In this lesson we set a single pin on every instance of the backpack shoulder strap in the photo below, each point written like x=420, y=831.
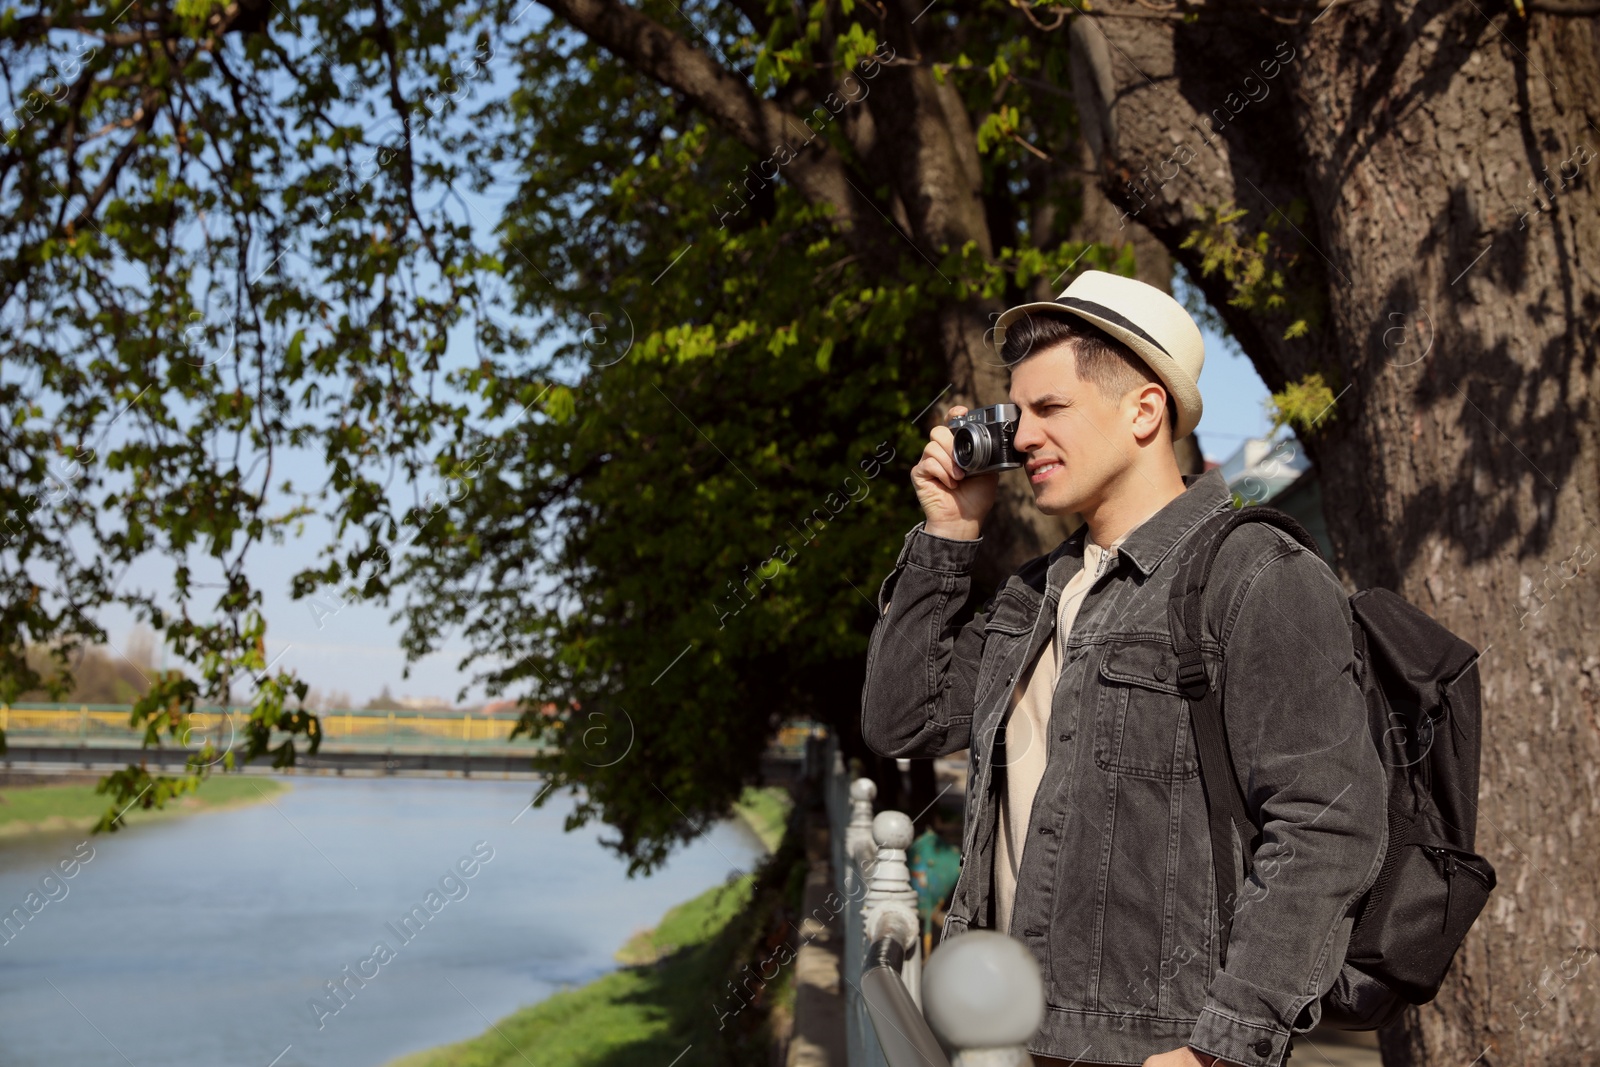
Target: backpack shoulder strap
x=1225, y=803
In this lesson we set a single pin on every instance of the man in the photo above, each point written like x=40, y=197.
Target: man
x=1087, y=835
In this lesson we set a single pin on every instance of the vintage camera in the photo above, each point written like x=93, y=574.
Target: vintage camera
x=986, y=439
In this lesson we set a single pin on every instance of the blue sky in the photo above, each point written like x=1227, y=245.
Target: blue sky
x=1234, y=397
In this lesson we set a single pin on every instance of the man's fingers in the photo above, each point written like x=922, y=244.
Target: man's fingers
x=932, y=474
x=957, y=409
x=942, y=443
x=929, y=469
x=941, y=458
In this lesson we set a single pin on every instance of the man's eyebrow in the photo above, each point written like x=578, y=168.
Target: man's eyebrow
x=1048, y=398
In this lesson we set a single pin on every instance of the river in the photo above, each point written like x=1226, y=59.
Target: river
x=198, y=941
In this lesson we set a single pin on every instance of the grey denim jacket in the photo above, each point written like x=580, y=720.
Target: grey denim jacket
x=1115, y=894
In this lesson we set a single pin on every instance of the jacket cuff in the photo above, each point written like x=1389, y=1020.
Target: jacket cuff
x=1237, y=1041
x=932, y=553
x=935, y=553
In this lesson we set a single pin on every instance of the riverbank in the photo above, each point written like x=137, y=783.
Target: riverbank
x=62, y=806
x=670, y=994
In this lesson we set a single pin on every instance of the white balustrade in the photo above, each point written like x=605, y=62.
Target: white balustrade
x=890, y=909
x=981, y=993
x=983, y=996
x=858, y=840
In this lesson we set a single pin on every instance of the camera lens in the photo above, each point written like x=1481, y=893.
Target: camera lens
x=968, y=449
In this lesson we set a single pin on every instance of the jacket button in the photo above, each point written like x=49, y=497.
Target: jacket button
x=1161, y=672
x=1263, y=1047
x=1066, y=737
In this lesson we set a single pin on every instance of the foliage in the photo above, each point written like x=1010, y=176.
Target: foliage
x=682, y=547
x=206, y=264
x=1256, y=266
x=1302, y=404
x=671, y=424
x=97, y=675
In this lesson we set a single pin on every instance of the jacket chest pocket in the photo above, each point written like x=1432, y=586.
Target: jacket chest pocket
x=1005, y=633
x=1142, y=717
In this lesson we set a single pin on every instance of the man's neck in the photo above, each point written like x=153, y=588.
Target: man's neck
x=1140, y=495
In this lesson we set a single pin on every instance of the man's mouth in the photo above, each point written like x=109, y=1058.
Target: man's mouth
x=1039, y=471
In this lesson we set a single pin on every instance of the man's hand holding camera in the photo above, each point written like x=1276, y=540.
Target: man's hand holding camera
x=959, y=470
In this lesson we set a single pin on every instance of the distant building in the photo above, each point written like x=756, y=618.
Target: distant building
x=1276, y=471
x=424, y=704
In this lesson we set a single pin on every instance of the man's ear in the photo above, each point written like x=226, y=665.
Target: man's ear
x=1149, y=409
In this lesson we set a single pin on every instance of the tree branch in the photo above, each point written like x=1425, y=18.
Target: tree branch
x=727, y=98
x=397, y=100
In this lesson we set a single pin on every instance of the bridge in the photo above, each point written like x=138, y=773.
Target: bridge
x=44, y=737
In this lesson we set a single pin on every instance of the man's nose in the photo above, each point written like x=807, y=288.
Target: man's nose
x=1028, y=436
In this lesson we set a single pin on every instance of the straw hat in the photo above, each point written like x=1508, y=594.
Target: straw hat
x=1147, y=320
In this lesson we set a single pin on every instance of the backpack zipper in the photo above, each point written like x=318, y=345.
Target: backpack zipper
x=1450, y=865
x=1449, y=888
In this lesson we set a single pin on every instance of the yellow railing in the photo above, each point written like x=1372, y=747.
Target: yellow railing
x=102, y=723
x=108, y=724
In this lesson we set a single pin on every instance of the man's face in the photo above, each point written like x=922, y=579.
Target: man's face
x=1077, y=440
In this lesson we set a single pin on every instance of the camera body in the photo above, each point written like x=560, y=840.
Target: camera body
x=985, y=439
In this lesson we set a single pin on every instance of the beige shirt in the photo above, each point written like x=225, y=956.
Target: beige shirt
x=1028, y=730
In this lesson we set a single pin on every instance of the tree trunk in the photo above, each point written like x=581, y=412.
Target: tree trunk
x=1453, y=311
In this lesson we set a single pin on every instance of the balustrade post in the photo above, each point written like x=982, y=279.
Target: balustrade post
x=860, y=853
x=890, y=907
x=858, y=843
x=984, y=999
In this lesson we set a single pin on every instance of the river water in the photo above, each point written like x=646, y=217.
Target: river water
x=198, y=942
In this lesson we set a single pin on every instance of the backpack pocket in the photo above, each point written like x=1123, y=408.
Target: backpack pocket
x=1359, y=1001
x=1426, y=899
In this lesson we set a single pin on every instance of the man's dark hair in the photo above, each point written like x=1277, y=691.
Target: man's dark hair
x=1100, y=358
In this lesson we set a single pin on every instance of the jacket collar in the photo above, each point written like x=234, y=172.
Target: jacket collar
x=1149, y=543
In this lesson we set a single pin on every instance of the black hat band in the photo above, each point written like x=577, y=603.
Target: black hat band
x=1101, y=311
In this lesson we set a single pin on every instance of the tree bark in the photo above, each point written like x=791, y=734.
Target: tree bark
x=1456, y=321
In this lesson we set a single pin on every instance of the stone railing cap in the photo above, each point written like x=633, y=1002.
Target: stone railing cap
x=892, y=829
x=983, y=989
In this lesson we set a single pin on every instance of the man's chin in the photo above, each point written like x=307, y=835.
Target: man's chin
x=1054, y=503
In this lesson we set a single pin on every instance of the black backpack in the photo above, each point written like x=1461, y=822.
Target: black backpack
x=1421, y=687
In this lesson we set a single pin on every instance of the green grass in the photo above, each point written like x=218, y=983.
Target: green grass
x=639, y=1016
x=40, y=808
x=766, y=810
x=691, y=923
